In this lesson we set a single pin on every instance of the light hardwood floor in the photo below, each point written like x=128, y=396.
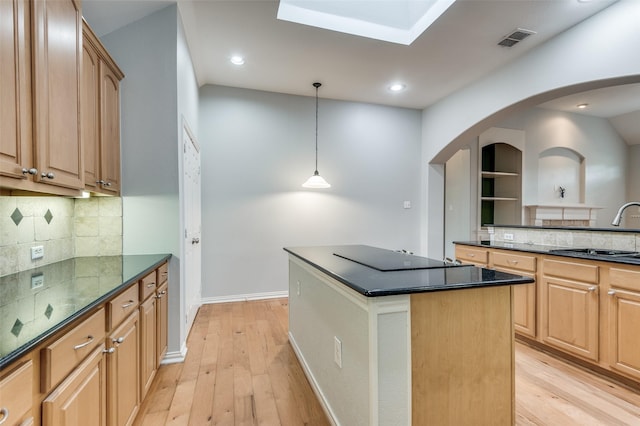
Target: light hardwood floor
x=240, y=370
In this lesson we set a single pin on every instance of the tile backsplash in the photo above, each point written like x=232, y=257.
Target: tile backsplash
x=65, y=227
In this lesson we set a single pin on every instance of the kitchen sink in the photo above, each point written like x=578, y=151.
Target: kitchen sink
x=604, y=253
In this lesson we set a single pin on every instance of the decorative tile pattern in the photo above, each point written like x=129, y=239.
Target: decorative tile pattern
x=48, y=216
x=17, y=328
x=16, y=216
x=48, y=311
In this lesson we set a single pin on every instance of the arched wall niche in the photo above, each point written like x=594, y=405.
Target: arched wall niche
x=561, y=176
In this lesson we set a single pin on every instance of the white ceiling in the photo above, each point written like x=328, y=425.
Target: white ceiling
x=285, y=57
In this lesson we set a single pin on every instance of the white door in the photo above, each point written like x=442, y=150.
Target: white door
x=192, y=223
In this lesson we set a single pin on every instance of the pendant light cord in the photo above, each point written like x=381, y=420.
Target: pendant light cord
x=316, y=85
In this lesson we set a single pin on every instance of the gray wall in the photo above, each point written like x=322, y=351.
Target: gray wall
x=257, y=150
x=155, y=95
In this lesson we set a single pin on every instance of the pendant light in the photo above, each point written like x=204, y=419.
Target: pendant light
x=316, y=181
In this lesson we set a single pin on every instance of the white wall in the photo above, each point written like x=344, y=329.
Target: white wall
x=257, y=150
x=157, y=91
x=592, y=54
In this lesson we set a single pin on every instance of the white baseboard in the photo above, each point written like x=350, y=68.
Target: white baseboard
x=175, y=356
x=312, y=380
x=245, y=297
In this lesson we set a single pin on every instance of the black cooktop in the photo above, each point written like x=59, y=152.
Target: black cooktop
x=387, y=260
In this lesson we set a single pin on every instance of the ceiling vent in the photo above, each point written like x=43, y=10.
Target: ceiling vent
x=515, y=37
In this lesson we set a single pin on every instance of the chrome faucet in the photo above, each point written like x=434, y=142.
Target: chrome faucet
x=618, y=218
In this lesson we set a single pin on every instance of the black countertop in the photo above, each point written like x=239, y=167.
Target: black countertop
x=563, y=251
x=422, y=274
x=36, y=303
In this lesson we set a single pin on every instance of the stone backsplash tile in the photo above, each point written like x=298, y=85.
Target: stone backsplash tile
x=65, y=227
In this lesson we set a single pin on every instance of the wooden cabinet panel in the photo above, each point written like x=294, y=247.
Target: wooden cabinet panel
x=101, y=117
x=15, y=86
x=570, y=316
x=123, y=368
x=62, y=356
x=148, y=343
x=476, y=256
x=123, y=305
x=81, y=398
x=109, y=129
x=148, y=285
x=90, y=113
x=57, y=56
x=586, y=273
x=162, y=309
x=163, y=274
x=16, y=391
x=517, y=262
x=624, y=321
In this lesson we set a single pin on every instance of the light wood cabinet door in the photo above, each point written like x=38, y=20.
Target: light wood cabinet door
x=148, y=342
x=524, y=295
x=80, y=399
x=123, y=369
x=57, y=57
x=109, y=129
x=15, y=88
x=16, y=393
x=90, y=112
x=472, y=255
x=162, y=309
x=624, y=321
x=569, y=312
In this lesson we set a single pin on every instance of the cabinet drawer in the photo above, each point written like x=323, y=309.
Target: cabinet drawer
x=625, y=278
x=514, y=261
x=148, y=285
x=474, y=255
x=163, y=274
x=16, y=390
x=571, y=270
x=59, y=358
x=122, y=306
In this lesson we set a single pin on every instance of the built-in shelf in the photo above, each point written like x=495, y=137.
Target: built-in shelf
x=499, y=174
x=499, y=199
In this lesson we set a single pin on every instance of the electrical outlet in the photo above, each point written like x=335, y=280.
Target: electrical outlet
x=508, y=237
x=37, y=281
x=37, y=252
x=337, y=351
x=407, y=204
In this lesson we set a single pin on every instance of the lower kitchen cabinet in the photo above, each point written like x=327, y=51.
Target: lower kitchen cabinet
x=570, y=307
x=162, y=318
x=148, y=340
x=624, y=321
x=81, y=398
x=16, y=391
x=123, y=368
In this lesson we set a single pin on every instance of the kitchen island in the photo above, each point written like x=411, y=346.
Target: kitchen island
x=388, y=338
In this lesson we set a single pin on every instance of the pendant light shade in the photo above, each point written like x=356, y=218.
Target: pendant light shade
x=316, y=181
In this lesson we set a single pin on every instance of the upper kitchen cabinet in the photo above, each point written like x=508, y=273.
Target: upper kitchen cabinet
x=16, y=148
x=40, y=119
x=100, y=116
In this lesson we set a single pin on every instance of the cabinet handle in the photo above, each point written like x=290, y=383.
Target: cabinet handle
x=611, y=292
x=5, y=414
x=118, y=340
x=107, y=184
x=126, y=305
x=162, y=293
x=100, y=182
x=82, y=345
x=31, y=171
x=109, y=351
x=151, y=285
x=592, y=288
x=515, y=262
x=49, y=175
x=195, y=241
x=471, y=255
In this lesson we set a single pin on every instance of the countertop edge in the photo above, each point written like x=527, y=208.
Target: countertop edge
x=22, y=350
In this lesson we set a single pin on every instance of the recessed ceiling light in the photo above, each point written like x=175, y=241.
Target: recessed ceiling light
x=582, y=106
x=397, y=87
x=237, y=60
